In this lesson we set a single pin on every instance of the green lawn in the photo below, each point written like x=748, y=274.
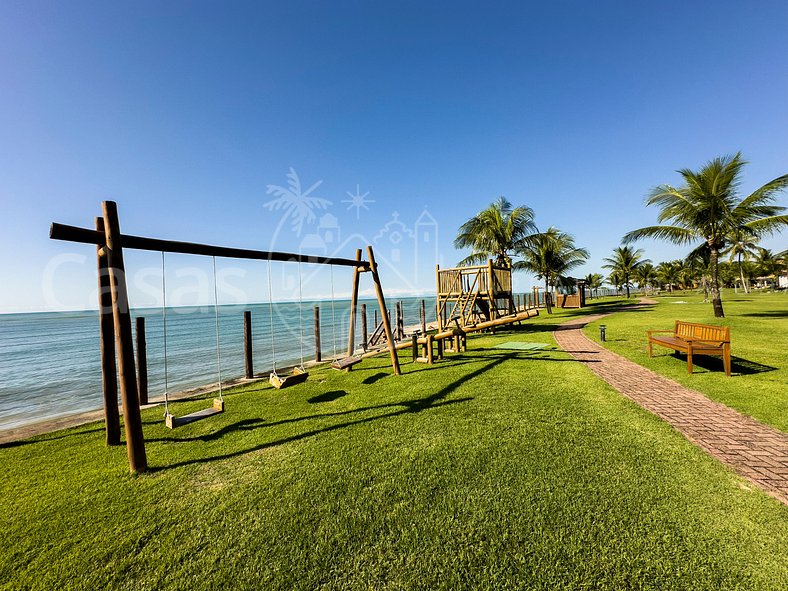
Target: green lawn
x=496, y=469
x=759, y=345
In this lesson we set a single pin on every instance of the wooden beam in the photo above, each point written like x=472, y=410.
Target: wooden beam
x=142, y=360
x=364, y=330
x=109, y=376
x=383, y=311
x=135, y=442
x=318, y=352
x=351, y=344
x=248, y=350
x=86, y=236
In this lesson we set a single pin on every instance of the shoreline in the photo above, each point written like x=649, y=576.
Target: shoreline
x=53, y=424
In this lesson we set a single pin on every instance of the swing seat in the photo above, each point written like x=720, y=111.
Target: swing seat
x=172, y=421
x=298, y=376
x=346, y=362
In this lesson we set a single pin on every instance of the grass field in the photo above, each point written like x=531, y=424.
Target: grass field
x=759, y=345
x=496, y=469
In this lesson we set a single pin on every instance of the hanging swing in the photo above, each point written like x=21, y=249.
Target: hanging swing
x=170, y=420
x=298, y=374
x=343, y=362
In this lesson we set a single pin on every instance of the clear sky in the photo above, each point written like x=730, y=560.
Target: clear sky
x=186, y=112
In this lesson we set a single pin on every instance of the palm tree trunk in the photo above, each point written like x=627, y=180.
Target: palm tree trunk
x=626, y=281
x=716, y=297
x=741, y=275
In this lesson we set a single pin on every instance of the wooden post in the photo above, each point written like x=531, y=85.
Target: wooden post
x=364, y=330
x=109, y=377
x=142, y=360
x=373, y=267
x=135, y=441
x=318, y=353
x=375, y=319
x=248, y=351
x=440, y=348
x=430, y=357
x=414, y=345
x=423, y=318
x=351, y=340
x=438, y=318
x=491, y=290
x=517, y=306
x=548, y=302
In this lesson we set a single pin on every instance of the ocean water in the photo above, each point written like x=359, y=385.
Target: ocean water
x=50, y=364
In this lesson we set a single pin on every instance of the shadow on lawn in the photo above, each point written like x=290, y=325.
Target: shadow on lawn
x=771, y=314
x=432, y=401
x=327, y=396
x=48, y=437
x=739, y=365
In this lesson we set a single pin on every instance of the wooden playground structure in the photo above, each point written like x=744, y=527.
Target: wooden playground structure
x=470, y=295
x=116, y=336
x=469, y=299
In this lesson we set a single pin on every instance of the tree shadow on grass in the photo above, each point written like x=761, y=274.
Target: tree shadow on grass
x=770, y=314
x=432, y=401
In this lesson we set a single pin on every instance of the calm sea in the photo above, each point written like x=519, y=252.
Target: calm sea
x=50, y=366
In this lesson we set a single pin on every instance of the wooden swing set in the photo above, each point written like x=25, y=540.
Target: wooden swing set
x=115, y=320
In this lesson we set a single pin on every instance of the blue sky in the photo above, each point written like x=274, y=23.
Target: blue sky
x=184, y=113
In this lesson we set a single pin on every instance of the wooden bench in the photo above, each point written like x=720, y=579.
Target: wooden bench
x=695, y=339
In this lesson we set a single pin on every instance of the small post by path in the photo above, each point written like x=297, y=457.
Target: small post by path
x=248, y=352
x=142, y=359
x=318, y=354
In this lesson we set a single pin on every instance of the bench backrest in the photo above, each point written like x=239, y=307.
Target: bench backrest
x=703, y=332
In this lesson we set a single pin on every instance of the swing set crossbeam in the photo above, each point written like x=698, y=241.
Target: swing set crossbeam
x=86, y=236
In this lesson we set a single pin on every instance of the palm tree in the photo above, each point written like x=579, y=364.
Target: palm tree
x=668, y=273
x=625, y=260
x=767, y=263
x=742, y=248
x=695, y=269
x=645, y=275
x=550, y=254
x=708, y=208
x=616, y=279
x=495, y=232
x=594, y=282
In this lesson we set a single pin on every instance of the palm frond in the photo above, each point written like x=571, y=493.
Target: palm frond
x=675, y=234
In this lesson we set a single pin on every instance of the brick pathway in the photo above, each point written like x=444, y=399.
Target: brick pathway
x=752, y=449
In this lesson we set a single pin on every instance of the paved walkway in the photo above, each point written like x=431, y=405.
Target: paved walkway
x=752, y=449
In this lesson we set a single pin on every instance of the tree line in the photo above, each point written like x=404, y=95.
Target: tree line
x=706, y=212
